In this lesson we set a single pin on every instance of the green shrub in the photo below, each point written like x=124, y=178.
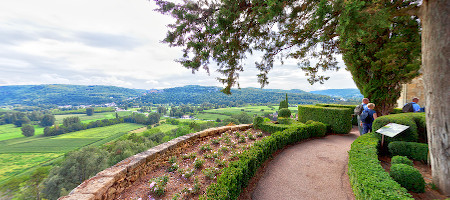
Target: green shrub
x=272, y=128
x=257, y=121
x=368, y=179
x=284, y=112
x=282, y=120
x=339, y=119
x=352, y=107
x=158, y=185
x=401, y=160
x=412, y=150
x=409, y=177
x=409, y=135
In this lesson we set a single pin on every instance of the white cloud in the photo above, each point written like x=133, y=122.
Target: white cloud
x=111, y=43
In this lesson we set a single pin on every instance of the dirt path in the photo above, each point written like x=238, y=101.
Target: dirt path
x=315, y=169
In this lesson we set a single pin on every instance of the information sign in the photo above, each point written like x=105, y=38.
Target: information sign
x=392, y=129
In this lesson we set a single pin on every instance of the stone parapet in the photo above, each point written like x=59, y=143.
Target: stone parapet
x=110, y=182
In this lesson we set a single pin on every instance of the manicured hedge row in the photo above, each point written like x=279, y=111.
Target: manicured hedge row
x=368, y=179
x=401, y=160
x=272, y=128
x=412, y=150
x=413, y=120
x=352, y=107
x=339, y=119
x=235, y=177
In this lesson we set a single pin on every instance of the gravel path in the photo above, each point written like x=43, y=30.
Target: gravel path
x=315, y=169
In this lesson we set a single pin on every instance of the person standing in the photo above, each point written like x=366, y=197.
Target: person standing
x=358, y=110
x=367, y=118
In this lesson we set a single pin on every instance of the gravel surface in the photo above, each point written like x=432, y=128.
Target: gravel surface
x=315, y=169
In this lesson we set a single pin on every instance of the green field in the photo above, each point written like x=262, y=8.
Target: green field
x=10, y=131
x=20, y=154
x=223, y=113
x=86, y=119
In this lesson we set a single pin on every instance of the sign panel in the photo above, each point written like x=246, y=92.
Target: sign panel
x=392, y=129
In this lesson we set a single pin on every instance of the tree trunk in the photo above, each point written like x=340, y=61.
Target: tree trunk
x=435, y=18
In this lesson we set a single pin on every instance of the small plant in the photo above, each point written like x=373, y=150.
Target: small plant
x=207, y=155
x=197, y=186
x=260, y=134
x=221, y=163
x=173, y=167
x=172, y=159
x=224, y=149
x=205, y=147
x=237, y=134
x=189, y=156
x=210, y=172
x=198, y=163
x=251, y=137
x=188, y=174
x=158, y=185
x=216, y=154
x=226, y=139
x=176, y=196
x=242, y=139
x=215, y=141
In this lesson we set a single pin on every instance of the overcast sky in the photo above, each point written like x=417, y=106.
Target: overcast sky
x=112, y=42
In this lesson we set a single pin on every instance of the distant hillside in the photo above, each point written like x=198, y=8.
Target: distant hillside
x=32, y=95
x=194, y=94
x=344, y=93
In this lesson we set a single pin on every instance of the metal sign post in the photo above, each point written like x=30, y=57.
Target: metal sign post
x=391, y=130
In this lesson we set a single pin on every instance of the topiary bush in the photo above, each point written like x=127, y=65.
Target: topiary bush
x=410, y=135
x=352, y=107
x=284, y=112
x=412, y=150
x=409, y=177
x=283, y=120
x=339, y=119
x=257, y=121
x=401, y=160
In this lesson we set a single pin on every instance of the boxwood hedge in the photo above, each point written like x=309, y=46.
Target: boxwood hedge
x=340, y=119
x=236, y=176
x=412, y=150
x=408, y=176
x=401, y=160
x=352, y=107
x=368, y=179
x=413, y=120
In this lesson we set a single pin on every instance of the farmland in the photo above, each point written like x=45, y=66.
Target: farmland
x=10, y=131
x=224, y=113
x=85, y=118
x=21, y=154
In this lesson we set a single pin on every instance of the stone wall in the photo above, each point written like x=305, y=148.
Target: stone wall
x=112, y=181
x=410, y=90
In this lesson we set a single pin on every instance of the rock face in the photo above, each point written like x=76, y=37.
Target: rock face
x=112, y=181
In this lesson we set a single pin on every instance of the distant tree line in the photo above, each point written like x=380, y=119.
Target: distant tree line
x=71, y=124
x=21, y=118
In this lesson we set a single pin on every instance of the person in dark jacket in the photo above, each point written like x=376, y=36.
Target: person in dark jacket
x=371, y=116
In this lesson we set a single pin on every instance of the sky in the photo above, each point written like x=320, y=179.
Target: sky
x=113, y=42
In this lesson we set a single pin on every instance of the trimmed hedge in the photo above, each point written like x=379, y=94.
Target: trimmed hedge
x=339, y=119
x=272, y=128
x=408, y=119
x=283, y=120
x=236, y=176
x=409, y=177
x=284, y=112
x=401, y=160
x=257, y=121
x=412, y=150
x=368, y=179
x=352, y=107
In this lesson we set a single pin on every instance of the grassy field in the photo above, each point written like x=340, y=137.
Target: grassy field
x=223, y=113
x=21, y=154
x=10, y=131
x=96, y=116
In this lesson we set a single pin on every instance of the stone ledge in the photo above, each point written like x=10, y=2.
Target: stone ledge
x=110, y=182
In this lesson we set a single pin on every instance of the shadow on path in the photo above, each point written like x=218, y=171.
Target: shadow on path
x=314, y=169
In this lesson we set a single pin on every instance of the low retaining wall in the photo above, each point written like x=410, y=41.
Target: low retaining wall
x=112, y=181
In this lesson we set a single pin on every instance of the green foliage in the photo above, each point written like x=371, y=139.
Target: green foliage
x=198, y=163
x=89, y=111
x=409, y=119
x=409, y=177
x=412, y=150
x=158, y=185
x=352, y=107
x=47, y=120
x=368, y=179
x=284, y=112
x=236, y=176
x=27, y=130
x=243, y=118
x=210, y=172
x=283, y=120
x=401, y=160
x=338, y=118
x=77, y=167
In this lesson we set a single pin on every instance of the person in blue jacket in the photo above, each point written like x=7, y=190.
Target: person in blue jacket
x=371, y=116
